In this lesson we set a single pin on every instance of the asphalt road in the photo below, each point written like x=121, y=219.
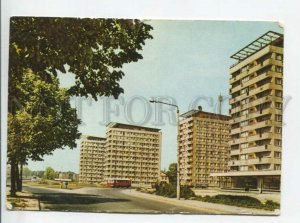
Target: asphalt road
x=102, y=200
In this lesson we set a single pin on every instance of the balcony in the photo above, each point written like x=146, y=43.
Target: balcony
x=238, y=141
x=256, y=56
x=264, y=160
x=256, y=126
x=260, y=136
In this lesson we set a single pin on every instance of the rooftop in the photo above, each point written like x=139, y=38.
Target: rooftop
x=258, y=44
x=96, y=138
x=195, y=112
x=131, y=127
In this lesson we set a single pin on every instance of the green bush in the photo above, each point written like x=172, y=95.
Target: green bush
x=271, y=205
x=186, y=192
x=240, y=201
x=169, y=190
x=166, y=190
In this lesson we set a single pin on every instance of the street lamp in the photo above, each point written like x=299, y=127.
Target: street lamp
x=177, y=120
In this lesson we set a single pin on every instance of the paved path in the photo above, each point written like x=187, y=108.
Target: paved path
x=107, y=200
x=128, y=201
x=205, y=206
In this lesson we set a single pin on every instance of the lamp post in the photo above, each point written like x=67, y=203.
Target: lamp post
x=177, y=122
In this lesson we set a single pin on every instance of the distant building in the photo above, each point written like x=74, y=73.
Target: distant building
x=92, y=154
x=68, y=175
x=133, y=152
x=256, y=111
x=163, y=178
x=204, y=149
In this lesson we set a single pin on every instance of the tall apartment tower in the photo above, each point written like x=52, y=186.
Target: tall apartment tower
x=133, y=152
x=256, y=112
x=92, y=153
x=204, y=149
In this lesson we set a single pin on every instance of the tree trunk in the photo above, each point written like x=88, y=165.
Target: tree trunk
x=13, y=177
x=19, y=185
x=17, y=176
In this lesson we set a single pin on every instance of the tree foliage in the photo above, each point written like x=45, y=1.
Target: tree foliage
x=172, y=173
x=94, y=50
x=43, y=122
x=49, y=173
x=40, y=117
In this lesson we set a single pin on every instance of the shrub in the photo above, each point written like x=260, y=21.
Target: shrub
x=169, y=190
x=186, y=192
x=240, y=201
x=166, y=190
x=271, y=205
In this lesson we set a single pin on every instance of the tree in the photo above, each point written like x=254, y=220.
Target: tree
x=49, y=173
x=172, y=173
x=94, y=50
x=26, y=172
x=43, y=123
x=40, y=117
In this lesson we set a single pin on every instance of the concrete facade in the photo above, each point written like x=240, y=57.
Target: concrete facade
x=204, y=148
x=256, y=113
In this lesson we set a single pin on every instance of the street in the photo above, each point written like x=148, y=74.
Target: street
x=103, y=200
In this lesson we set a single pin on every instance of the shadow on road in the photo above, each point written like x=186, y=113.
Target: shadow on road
x=59, y=198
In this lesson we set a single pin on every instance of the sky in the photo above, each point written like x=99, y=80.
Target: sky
x=186, y=63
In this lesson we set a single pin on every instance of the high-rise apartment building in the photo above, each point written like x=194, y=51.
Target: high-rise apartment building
x=92, y=153
x=256, y=113
x=204, y=149
x=133, y=152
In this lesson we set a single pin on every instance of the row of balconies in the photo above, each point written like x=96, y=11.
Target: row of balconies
x=134, y=139
x=253, y=81
x=254, y=126
x=133, y=144
x=255, y=114
x=256, y=137
x=267, y=62
x=264, y=160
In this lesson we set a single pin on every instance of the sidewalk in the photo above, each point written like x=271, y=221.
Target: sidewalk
x=203, y=206
x=23, y=201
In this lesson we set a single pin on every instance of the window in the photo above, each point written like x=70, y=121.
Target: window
x=245, y=79
x=278, y=69
x=244, y=157
x=277, y=142
x=245, y=68
x=277, y=154
x=278, y=105
x=278, y=118
x=243, y=168
x=244, y=123
x=278, y=81
x=278, y=93
x=277, y=167
x=279, y=57
x=278, y=130
x=244, y=145
x=245, y=90
x=245, y=112
x=244, y=134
